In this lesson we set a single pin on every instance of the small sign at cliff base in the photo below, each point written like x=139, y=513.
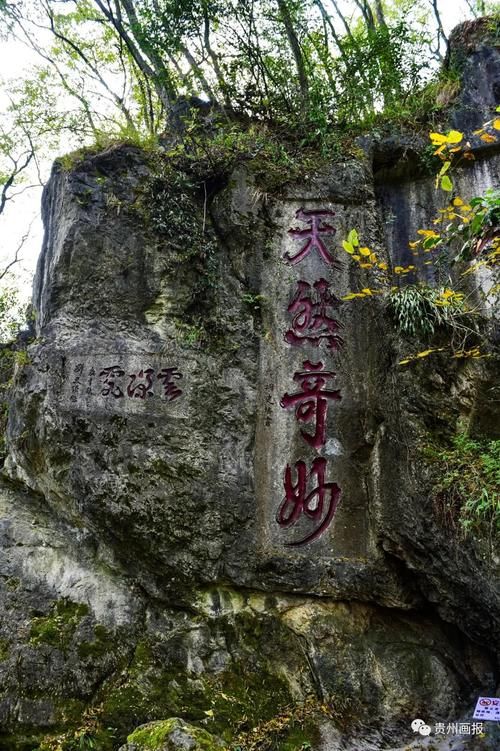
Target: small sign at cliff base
x=487, y=708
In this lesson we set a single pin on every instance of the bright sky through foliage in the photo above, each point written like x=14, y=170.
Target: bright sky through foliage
x=15, y=60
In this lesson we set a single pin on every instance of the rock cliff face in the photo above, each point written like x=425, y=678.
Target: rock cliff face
x=214, y=505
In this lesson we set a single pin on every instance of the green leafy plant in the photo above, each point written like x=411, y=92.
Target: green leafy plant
x=466, y=493
x=420, y=310
x=482, y=230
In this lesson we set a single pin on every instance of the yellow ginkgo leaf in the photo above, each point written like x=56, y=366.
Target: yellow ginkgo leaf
x=382, y=266
x=365, y=251
x=458, y=201
x=347, y=246
x=367, y=291
x=454, y=136
x=352, y=295
x=487, y=138
x=496, y=123
x=414, y=244
x=427, y=233
x=398, y=269
x=356, y=257
x=437, y=138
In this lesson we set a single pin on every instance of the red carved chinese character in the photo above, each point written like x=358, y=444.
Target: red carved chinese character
x=141, y=390
x=311, y=322
x=170, y=389
x=319, y=505
x=312, y=402
x=312, y=235
x=110, y=387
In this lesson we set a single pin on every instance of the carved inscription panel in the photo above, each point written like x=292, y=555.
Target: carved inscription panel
x=122, y=382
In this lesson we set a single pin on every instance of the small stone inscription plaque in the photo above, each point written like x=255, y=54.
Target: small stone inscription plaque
x=121, y=382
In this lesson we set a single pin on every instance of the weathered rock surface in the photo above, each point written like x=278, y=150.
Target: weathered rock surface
x=144, y=573
x=171, y=735
x=474, y=53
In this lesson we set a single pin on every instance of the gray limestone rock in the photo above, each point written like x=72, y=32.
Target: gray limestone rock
x=214, y=502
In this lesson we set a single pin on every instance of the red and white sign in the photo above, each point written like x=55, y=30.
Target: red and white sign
x=487, y=708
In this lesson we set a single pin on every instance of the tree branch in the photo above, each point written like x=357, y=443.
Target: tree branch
x=296, y=50
x=4, y=194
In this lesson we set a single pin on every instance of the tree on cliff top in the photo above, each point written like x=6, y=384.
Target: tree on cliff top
x=120, y=67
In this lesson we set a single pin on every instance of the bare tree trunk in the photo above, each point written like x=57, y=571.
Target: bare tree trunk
x=441, y=36
x=117, y=99
x=214, y=59
x=365, y=9
x=18, y=168
x=198, y=73
x=161, y=82
x=379, y=12
x=338, y=42
x=297, y=52
x=343, y=19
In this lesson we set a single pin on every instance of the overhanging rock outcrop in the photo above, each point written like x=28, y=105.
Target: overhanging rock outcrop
x=214, y=504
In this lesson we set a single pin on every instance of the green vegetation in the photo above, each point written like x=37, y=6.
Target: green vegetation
x=99, y=646
x=246, y=705
x=465, y=233
x=4, y=649
x=168, y=71
x=58, y=628
x=480, y=230
x=300, y=64
x=155, y=734
x=294, y=728
x=12, y=312
x=236, y=699
x=466, y=486
x=419, y=310
x=87, y=737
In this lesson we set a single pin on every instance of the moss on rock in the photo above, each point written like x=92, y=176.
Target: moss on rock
x=168, y=735
x=58, y=628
